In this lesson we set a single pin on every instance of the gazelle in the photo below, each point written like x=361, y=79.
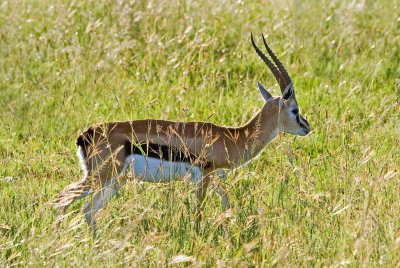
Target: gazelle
x=159, y=151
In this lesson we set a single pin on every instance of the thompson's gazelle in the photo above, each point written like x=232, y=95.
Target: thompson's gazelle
x=155, y=150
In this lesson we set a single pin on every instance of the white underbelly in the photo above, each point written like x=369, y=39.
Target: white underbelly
x=156, y=170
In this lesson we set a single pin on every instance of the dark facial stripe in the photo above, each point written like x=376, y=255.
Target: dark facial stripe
x=162, y=152
x=305, y=121
x=299, y=122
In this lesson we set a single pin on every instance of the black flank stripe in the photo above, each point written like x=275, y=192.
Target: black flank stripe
x=162, y=152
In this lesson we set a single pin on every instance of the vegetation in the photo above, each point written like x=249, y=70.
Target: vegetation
x=328, y=199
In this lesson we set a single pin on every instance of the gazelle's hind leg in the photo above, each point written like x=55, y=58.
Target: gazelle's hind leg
x=100, y=199
x=221, y=190
x=200, y=191
x=102, y=196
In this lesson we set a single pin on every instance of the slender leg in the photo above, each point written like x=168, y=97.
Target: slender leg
x=200, y=191
x=115, y=162
x=221, y=190
x=223, y=193
x=100, y=199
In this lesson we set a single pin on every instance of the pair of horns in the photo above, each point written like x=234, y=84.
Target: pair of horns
x=278, y=70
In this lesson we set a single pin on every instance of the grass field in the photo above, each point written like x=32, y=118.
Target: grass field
x=329, y=199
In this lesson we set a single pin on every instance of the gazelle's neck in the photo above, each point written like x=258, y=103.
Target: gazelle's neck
x=261, y=129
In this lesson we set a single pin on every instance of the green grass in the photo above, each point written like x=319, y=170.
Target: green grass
x=329, y=199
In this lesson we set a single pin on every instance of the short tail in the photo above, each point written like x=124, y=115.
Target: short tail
x=84, y=140
x=78, y=189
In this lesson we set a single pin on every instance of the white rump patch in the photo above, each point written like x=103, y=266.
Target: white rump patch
x=81, y=157
x=156, y=170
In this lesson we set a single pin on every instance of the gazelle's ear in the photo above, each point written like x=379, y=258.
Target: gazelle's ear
x=288, y=92
x=266, y=95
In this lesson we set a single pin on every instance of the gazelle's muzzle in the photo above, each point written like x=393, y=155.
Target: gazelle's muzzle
x=304, y=125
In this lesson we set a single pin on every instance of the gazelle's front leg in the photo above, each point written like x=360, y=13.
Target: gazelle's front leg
x=221, y=190
x=200, y=191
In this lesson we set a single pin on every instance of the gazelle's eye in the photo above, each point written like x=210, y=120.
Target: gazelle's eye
x=295, y=111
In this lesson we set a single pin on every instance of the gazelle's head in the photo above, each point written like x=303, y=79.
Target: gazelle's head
x=289, y=120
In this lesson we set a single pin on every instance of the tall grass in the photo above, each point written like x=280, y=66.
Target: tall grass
x=329, y=199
